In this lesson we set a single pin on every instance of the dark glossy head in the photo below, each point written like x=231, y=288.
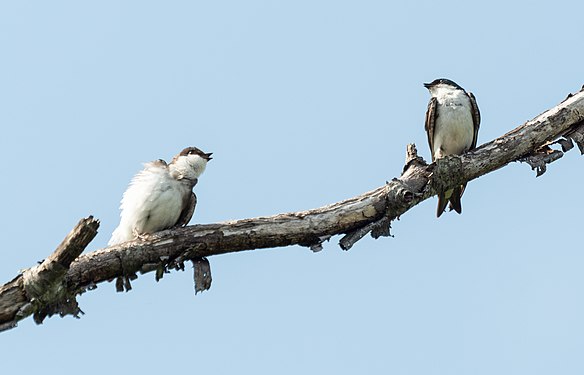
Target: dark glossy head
x=196, y=151
x=442, y=81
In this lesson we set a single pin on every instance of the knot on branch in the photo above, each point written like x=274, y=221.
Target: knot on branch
x=45, y=284
x=447, y=173
x=48, y=294
x=400, y=194
x=575, y=134
x=544, y=155
x=412, y=160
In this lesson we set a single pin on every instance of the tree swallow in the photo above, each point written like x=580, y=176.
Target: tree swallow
x=452, y=124
x=160, y=196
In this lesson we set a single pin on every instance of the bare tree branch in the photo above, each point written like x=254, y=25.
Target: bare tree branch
x=41, y=290
x=52, y=286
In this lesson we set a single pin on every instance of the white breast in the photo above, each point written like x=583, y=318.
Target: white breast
x=161, y=210
x=152, y=202
x=453, y=129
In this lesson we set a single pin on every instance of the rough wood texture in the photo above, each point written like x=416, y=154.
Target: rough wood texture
x=41, y=290
x=372, y=212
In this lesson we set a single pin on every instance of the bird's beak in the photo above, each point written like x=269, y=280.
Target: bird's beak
x=208, y=156
x=427, y=85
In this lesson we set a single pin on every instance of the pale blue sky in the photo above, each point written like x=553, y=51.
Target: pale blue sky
x=303, y=103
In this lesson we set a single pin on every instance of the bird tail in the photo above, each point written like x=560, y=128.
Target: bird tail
x=453, y=197
x=455, y=203
x=442, y=201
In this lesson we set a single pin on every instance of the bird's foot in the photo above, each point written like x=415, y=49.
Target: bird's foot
x=142, y=236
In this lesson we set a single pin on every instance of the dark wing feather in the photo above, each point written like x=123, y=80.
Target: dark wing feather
x=454, y=200
x=442, y=202
x=476, y=119
x=431, y=114
x=430, y=121
x=187, y=212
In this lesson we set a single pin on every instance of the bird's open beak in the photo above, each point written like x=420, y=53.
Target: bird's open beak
x=208, y=156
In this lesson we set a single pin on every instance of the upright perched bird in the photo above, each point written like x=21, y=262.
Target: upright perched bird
x=160, y=196
x=452, y=124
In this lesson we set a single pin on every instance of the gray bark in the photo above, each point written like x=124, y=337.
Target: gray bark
x=51, y=287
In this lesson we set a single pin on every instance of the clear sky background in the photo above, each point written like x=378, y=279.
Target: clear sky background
x=303, y=103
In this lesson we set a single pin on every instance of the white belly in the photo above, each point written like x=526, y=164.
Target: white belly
x=453, y=130
x=152, y=202
x=162, y=213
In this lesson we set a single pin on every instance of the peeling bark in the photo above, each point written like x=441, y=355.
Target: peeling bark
x=52, y=286
x=41, y=290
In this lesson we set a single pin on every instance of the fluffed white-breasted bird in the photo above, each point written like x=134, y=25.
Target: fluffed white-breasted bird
x=160, y=196
x=452, y=124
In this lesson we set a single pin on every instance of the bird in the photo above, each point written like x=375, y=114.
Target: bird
x=160, y=196
x=452, y=125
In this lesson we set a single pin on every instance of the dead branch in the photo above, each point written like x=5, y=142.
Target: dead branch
x=51, y=287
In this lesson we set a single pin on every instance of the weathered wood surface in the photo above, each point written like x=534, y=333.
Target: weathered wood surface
x=41, y=290
x=52, y=286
